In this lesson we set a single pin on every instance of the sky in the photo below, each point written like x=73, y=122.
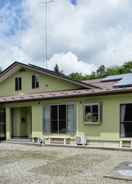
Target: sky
x=81, y=34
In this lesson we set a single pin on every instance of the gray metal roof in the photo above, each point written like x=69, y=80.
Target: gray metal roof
x=125, y=81
x=116, y=77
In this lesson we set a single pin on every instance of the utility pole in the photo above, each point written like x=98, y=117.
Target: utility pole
x=45, y=31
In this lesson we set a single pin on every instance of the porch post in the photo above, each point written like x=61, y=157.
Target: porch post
x=8, y=123
x=37, y=121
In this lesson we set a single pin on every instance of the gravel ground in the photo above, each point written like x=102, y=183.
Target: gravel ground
x=21, y=164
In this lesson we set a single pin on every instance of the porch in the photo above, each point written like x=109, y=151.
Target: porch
x=51, y=123
x=21, y=122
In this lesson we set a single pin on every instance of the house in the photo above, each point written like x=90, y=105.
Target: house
x=38, y=103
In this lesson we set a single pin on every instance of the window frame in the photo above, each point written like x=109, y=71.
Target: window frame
x=74, y=118
x=18, y=84
x=35, y=82
x=58, y=119
x=99, y=113
x=124, y=123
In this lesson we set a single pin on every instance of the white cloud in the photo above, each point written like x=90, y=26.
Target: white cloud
x=96, y=32
x=69, y=63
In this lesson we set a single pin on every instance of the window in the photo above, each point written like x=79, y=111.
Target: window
x=35, y=82
x=92, y=113
x=126, y=120
x=59, y=119
x=18, y=83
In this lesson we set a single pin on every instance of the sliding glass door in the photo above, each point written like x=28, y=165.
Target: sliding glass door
x=58, y=114
x=54, y=119
x=62, y=118
x=59, y=119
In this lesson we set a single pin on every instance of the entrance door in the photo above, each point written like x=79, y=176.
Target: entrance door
x=21, y=122
x=2, y=124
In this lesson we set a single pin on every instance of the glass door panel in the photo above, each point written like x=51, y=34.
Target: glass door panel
x=62, y=119
x=54, y=118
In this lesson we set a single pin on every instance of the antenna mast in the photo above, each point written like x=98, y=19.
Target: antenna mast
x=45, y=32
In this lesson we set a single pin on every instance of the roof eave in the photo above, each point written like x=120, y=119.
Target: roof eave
x=50, y=73
x=101, y=93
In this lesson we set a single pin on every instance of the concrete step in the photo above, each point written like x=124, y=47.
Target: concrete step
x=20, y=140
x=57, y=141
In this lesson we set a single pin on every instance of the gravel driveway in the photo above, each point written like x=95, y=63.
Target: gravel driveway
x=21, y=164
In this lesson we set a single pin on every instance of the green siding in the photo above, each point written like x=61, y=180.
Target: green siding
x=47, y=83
x=8, y=123
x=36, y=117
x=108, y=129
x=37, y=120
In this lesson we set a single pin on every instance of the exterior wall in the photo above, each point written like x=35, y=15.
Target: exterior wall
x=37, y=120
x=36, y=117
x=8, y=123
x=107, y=130
x=109, y=127
x=47, y=83
x=17, y=122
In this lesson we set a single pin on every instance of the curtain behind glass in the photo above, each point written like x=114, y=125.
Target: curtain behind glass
x=71, y=126
x=46, y=120
x=123, y=111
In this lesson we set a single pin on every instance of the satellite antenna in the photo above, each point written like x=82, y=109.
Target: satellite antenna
x=45, y=31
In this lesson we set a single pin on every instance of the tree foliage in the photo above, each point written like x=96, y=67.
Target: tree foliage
x=103, y=71
x=57, y=70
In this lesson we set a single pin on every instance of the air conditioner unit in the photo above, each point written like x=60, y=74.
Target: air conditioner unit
x=81, y=140
x=38, y=140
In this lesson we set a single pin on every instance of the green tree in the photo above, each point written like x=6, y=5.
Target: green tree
x=127, y=67
x=77, y=76
x=57, y=70
x=115, y=70
x=101, y=71
x=92, y=76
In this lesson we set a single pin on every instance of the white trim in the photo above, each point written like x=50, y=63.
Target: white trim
x=66, y=104
x=77, y=119
x=98, y=103
x=63, y=103
x=99, y=113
